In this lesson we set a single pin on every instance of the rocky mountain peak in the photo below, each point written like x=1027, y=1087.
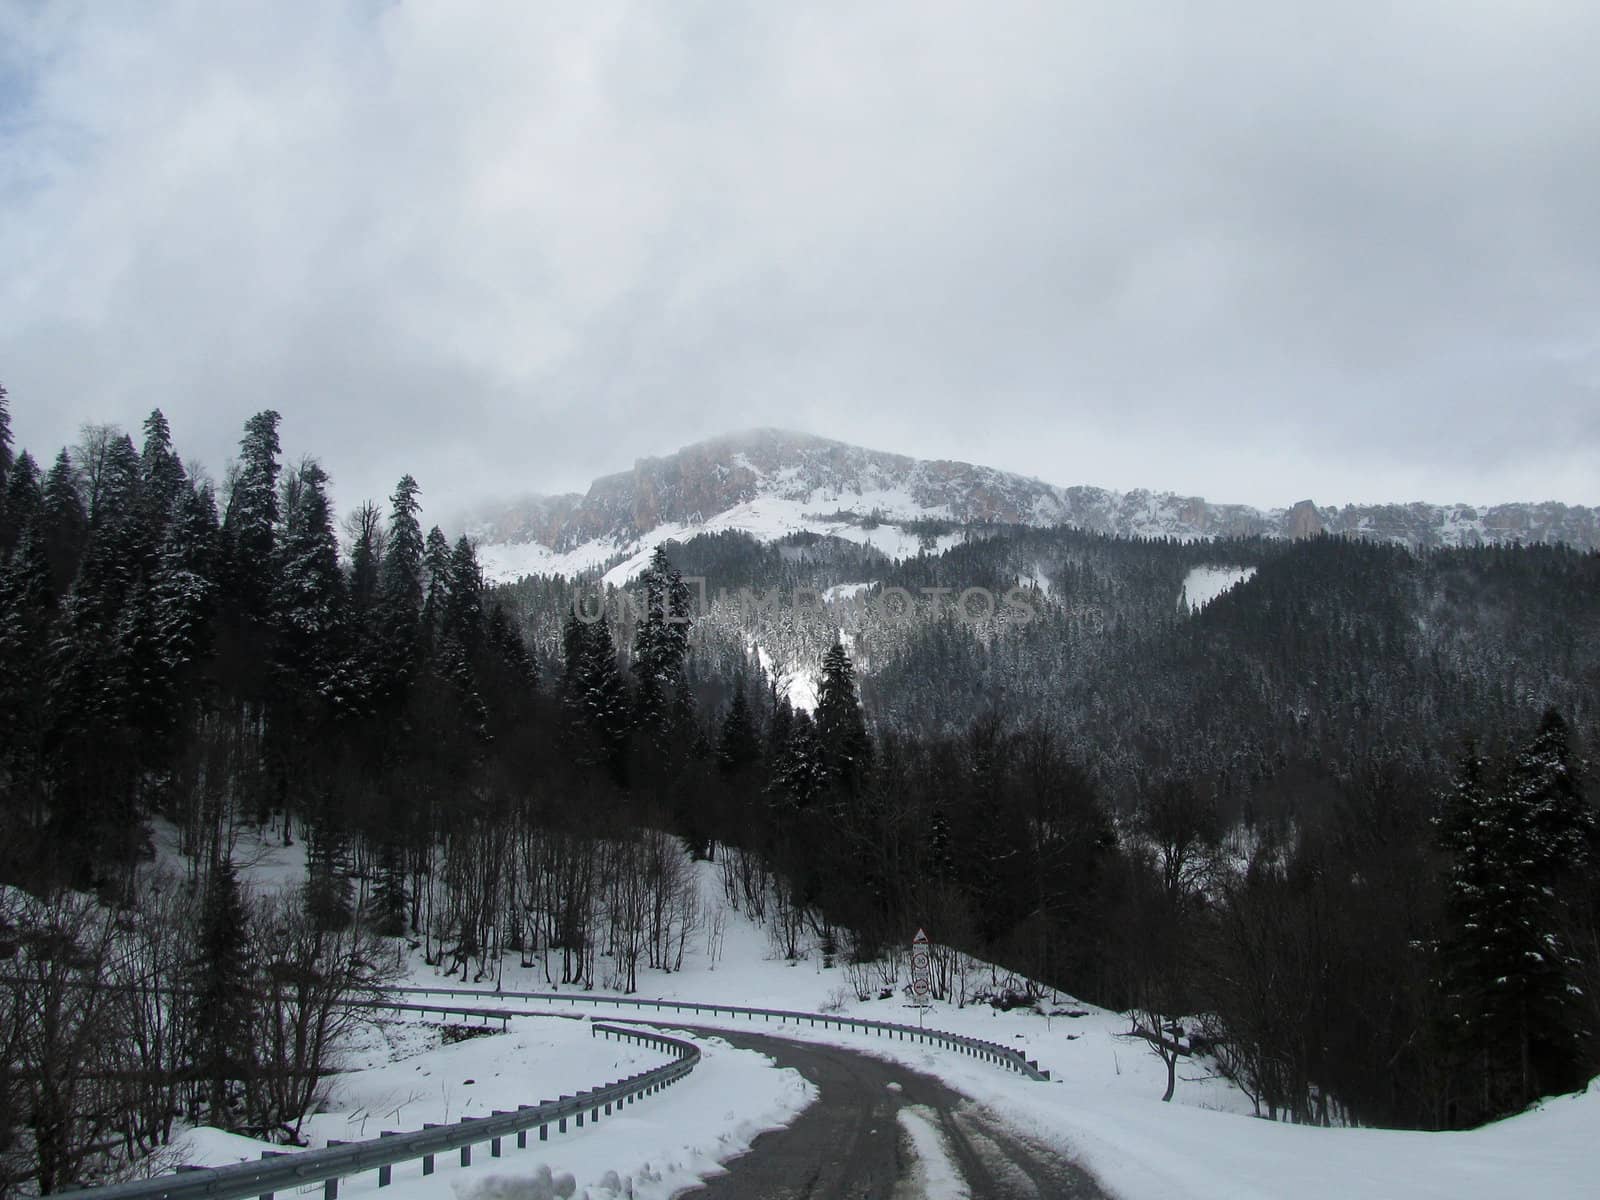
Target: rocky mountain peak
x=772, y=481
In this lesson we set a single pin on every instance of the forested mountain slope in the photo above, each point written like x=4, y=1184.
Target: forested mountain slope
x=1070, y=753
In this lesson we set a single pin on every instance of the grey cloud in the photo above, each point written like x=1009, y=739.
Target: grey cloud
x=1254, y=251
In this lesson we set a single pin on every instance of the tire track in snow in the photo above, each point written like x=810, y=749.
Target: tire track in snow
x=883, y=1131
x=933, y=1174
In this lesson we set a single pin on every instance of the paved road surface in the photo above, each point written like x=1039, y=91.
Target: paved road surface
x=850, y=1145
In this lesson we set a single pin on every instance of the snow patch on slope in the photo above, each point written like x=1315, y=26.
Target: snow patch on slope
x=1204, y=584
x=795, y=683
x=767, y=519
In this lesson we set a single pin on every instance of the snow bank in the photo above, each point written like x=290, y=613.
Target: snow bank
x=650, y=1149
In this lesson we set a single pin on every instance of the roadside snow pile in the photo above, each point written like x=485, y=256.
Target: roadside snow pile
x=647, y=1150
x=1143, y=1150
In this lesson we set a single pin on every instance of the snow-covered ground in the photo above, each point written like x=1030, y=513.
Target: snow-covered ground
x=259, y=855
x=403, y=1077
x=766, y=518
x=1103, y=1105
x=1204, y=584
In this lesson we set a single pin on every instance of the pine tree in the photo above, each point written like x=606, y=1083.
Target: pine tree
x=87, y=697
x=161, y=482
x=1519, y=848
x=5, y=441
x=463, y=609
x=96, y=757
x=66, y=524
x=841, y=729
x=461, y=634
x=220, y=985
x=738, y=746
x=600, y=703
x=173, y=625
x=401, y=589
x=27, y=614
x=800, y=771
x=251, y=519
x=389, y=892
x=308, y=597
x=22, y=499
x=504, y=637
x=112, y=562
x=1554, y=829
x=660, y=645
x=142, y=685
x=329, y=894
x=574, y=657
x=436, y=576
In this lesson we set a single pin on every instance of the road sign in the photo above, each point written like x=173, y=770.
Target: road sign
x=921, y=972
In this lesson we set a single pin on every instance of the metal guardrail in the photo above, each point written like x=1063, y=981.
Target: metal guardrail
x=482, y=1015
x=1004, y=1056
x=278, y=1171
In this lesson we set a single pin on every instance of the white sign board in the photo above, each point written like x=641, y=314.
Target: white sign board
x=921, y=972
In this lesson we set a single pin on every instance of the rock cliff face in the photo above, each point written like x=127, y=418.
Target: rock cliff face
x=1303, y=521
x=822, y=483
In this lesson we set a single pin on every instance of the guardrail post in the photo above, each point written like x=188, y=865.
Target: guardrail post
x=330, y=1189
x=386, y=1171
x=271, y=1154
x=466, y=1156
x=427, y=1159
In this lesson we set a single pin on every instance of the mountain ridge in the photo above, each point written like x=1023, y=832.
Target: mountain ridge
x=770, y=481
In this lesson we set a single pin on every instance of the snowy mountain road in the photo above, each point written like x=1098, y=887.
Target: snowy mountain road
x=880, y=1131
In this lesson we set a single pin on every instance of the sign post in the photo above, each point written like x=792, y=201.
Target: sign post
x=921, y=975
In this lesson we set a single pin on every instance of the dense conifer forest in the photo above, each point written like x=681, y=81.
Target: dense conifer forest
x=1339, y=821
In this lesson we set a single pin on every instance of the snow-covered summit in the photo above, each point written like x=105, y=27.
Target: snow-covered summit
x=770, y=482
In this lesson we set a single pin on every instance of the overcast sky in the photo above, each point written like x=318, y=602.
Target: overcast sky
x=1257, y=252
